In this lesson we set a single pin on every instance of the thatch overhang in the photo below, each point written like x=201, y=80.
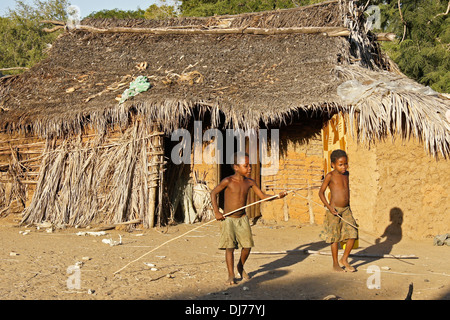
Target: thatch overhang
x=246, y=79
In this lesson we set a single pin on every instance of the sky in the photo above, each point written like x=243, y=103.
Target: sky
x=89, y=6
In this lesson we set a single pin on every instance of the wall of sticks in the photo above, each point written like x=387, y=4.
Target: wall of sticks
x=86, y=179
x=300, y=169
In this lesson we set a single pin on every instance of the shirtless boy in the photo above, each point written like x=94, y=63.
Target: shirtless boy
x=335, y=229
x=235, y=228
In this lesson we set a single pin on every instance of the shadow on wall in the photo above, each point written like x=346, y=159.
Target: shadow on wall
x=391, y=235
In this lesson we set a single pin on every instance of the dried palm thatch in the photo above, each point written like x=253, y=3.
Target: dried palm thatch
x=246, y=78
x=384, y=104
x=81, y=184
x=14, y=192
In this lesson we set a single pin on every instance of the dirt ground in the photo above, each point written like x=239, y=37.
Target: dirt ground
x=39, y=265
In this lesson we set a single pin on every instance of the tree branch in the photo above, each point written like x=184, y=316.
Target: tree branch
x=56, y=22
x=385, y=36
x=403, y=21
x=444, y=13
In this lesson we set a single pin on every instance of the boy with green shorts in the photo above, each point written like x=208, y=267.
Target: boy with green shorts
x=235, y=228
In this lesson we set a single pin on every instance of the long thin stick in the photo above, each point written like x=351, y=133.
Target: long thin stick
x=348, y=222
x=337, y=215
x=357, y=254
x=357, y=228
x=173, y=239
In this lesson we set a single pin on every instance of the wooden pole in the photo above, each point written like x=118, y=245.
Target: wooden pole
x=310, y=207
x=161, y=179
x=14, y=68
x=152, y=183
x=330, y=31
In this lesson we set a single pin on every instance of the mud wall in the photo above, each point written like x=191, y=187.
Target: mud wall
x=397, y=185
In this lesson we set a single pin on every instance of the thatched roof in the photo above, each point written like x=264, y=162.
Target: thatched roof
x=245, y=79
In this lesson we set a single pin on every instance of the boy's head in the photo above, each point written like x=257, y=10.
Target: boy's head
x=339, y=160
x=336, y=154
x=241, y=163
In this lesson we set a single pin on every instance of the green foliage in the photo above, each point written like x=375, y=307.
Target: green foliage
x=154, y=11
x=50, y=9
x=22, y=41
x=424, y=54
x=163, y=11
x=118, y=14
x=202, y=8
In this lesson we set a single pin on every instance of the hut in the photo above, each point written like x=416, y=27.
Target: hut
x=78, y=149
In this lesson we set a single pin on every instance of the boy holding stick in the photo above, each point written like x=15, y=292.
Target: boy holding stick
x=339, y=224
x=235, y=228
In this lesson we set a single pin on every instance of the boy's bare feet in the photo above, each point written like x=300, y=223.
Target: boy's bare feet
x=231, y=280
x=347, y=266
x=242, y=272
x=337, y=268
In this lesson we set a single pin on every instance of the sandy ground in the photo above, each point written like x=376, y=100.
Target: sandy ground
x=39, y=265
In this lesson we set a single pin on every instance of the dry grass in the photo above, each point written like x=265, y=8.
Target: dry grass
x=80, y=184
x=247, y=78
x=394, y=105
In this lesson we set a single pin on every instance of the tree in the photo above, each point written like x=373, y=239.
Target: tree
x=22, y=41
x=118, y=14
x=422, y=50
x=162, y=11
x=204, y=8
x=157, y=12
